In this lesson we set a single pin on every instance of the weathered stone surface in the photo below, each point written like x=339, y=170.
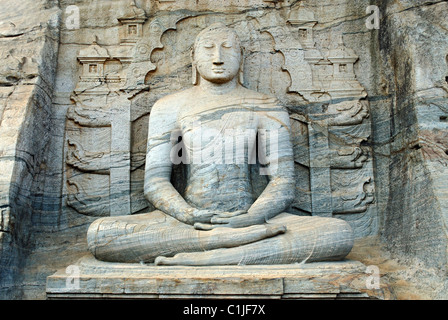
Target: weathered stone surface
x=60, y=129
x=216, y=219
x=29, y=40
x=413, y=42
x=335, y=280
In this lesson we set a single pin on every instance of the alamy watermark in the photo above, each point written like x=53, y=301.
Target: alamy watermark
x=72, y=20
x=227, y=146
x=373, y=21
x=373, y=280
x=72, y=281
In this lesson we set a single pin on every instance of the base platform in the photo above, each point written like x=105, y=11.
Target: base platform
x=90, y=278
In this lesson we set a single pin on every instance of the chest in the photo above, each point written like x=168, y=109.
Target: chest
x=218, y=125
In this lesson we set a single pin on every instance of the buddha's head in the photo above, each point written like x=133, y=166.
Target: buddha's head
x=217, y=55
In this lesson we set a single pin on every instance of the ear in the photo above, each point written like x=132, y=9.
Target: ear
x=194, y=70
x=194, y=74
x=241, y=73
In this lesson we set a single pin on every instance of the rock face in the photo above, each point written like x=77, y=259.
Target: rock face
x=321, y=280
x=367, y=108
x=220, y=133
x=410, y=143
x=29, y=41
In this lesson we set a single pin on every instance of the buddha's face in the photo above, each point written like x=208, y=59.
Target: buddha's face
x=217, y=55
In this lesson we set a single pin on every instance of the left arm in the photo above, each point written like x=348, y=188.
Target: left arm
x=276, y=153
x=276, y=149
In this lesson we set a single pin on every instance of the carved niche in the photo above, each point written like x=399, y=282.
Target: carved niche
x=331, y=125
x=98, y=136
x=329, y=110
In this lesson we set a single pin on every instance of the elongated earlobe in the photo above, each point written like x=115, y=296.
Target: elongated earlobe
x=194, y=70
x=241, y=73
x=194, y=74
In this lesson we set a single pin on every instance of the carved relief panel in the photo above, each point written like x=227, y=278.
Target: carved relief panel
x=329, y=111
x=98, y=147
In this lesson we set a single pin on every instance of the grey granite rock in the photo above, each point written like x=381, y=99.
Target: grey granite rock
x=368, y=123
x=105, y=280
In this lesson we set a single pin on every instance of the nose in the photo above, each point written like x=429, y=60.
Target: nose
x=217, y=57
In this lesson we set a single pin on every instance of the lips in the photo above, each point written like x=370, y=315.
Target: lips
x=218, y=70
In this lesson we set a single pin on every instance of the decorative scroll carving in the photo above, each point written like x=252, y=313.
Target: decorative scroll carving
x=141, y=58
x=98, y=162
x=348, y=158
x=340, y=164
x=88, y=200
x=89, y=117
x=357, y=194
x=77, y=157
x=114, y=162
x=348, y=113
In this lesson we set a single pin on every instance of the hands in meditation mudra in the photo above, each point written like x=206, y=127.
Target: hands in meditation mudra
x=217, y=221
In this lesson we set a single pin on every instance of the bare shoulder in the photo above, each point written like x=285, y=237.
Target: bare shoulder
x=264, y=102
x=271, y=114
x=252, y=94
x=172, y=103
x=165, y=112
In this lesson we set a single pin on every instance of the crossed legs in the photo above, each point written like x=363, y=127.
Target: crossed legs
x=144, y=237
x=306, y=239
x=157, y=237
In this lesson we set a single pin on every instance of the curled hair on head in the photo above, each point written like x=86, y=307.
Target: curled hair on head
x=214, y=28
x=219, y=26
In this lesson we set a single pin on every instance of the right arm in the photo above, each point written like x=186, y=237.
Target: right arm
x=158, y=188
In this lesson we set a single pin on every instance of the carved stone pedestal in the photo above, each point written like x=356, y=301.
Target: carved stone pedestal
x=90, y=278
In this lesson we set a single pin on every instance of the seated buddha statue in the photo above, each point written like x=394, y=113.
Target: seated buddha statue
x=217, y=219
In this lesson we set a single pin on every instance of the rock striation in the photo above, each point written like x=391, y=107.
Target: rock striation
x=365, y=89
